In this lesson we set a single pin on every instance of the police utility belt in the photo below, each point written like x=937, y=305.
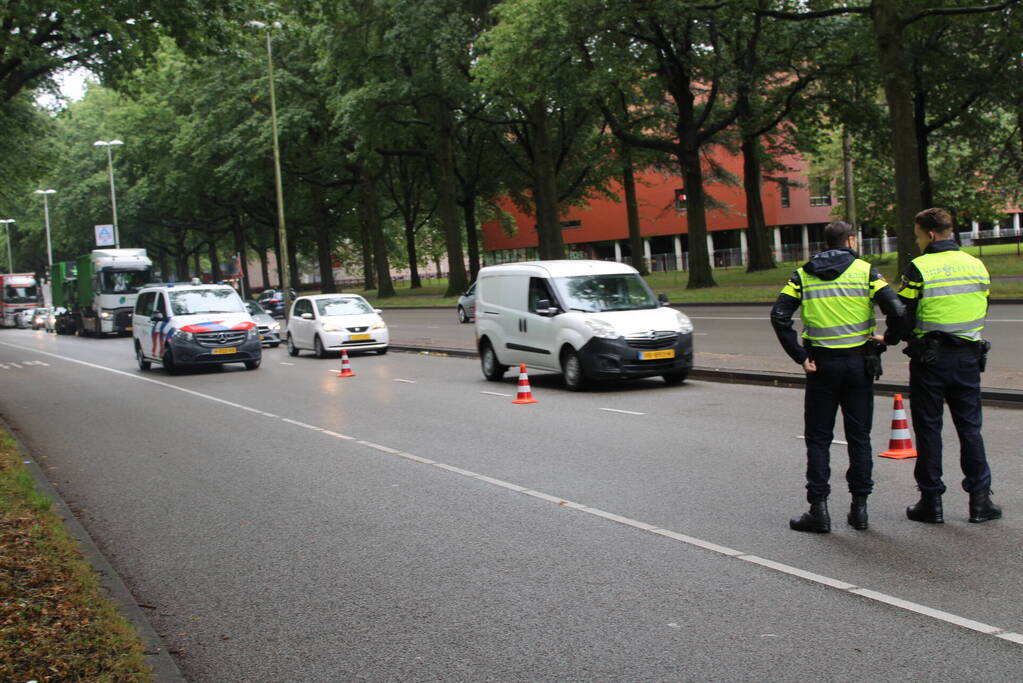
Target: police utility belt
x=870, y=350
x=928, y=348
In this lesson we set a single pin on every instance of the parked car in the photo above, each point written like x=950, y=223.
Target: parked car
x=179, y=325
x=39, y=317
x=585, y=319
x=467, y=305
x=273, y=301
x=51, y=318
x=23, y=318
x=269, y=329
x=332, y=322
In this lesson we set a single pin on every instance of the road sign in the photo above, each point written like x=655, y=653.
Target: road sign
x=104, y=235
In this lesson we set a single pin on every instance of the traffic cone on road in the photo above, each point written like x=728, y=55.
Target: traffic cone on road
x=346, y=368
x=900, y=445
x=525, y=393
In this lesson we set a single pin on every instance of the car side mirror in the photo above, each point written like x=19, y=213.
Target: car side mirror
x=662, y=299
x=378, y=311
x=156, y=317
x=307, y=316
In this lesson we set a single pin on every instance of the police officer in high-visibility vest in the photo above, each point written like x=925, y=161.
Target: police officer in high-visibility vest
x=840, y=354
x=946, y=295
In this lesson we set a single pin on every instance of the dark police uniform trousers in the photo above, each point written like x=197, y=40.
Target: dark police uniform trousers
x=954, y=377
x=840, y=381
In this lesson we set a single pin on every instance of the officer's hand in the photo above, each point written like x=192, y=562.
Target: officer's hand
x=879, y=338
x=809, y=366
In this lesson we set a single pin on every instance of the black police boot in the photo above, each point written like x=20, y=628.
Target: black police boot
x=816, y=520
x=928, y=509
x=858, y=513
x=981, y=507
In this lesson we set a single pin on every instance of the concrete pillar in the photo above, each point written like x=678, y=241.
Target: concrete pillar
x=618, y=251
x=1015, y=223
x=710, y=248
x=743, y=246
x=998, y=228
x=975, y=229
x=678, y=252
x=647, y=256
x=806, y=243
x=777, y=243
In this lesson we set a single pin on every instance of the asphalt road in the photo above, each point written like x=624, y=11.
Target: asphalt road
x=412, y=523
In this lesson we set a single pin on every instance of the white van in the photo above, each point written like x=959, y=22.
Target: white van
x=585, y=319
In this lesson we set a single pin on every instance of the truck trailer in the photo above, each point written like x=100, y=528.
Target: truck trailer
x=99, y=290
x=18, y=291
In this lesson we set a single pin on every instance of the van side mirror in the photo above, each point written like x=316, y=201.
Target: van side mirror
x=662, y=299
x=156, y=317
x=543, y=307
x=307, y=316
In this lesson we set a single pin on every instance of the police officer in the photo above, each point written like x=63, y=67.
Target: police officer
x=840, y=355
x=946, y=295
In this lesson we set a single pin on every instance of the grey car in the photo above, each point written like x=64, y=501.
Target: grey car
x=269, y=327
x=467, y=305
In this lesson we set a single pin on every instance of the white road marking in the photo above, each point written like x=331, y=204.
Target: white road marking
x=840, y=443
x=3, y=366
x=406, y=381
x=336, y=435
x=302, y=424
x=835, y=584
x=287, y=363
x=14, y=365
x=494, y=393
x=624, y=412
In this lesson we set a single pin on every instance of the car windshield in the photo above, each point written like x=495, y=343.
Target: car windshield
x=122, y=281
x=342, y=306
x=19, y=294
x=618, y=292
x=254, y=308
x=194, y=301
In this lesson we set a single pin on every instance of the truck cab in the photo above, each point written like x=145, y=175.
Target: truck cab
x=108, y=282
x=18, y=292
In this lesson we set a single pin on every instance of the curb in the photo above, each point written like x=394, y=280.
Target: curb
x=677, y=304
x=165, y=669
x=1004, y=398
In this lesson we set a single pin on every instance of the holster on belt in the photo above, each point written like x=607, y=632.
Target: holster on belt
x=983, y=347
x=872, y=351
x=924, y=349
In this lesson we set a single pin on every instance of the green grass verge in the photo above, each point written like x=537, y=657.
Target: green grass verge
x=55, y=622
x=736, y=285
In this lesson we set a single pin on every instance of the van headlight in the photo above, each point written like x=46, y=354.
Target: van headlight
x=106, y=315
x=685, y=325
x=601, y=328
x=181, y=335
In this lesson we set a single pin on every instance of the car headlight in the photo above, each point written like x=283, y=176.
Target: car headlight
x=685, y=325
x=274, y=326
x=106, y=315
x=602, y=328
x=253, y=332
x=181, y=335
x=331, y=328
x=378, y=326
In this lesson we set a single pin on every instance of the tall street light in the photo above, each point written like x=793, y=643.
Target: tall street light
x=7, y=229
x=113, y=196
x=282, y=233
x=46, y=215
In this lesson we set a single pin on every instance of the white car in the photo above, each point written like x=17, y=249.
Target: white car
x=327, y=323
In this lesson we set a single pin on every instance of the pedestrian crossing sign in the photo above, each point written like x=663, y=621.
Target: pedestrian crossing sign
x=104, y=235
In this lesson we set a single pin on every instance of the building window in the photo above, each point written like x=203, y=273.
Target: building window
x=786, y=202
x=681, y=201
x=820, y=192
x=571, y=224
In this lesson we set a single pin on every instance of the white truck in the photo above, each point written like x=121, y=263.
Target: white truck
x=102, y=298
x=18, y=291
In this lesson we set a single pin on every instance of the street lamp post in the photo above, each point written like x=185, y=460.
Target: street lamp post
x=113, y=195
x=7, y=230
x=46, y=215
x=282, y=232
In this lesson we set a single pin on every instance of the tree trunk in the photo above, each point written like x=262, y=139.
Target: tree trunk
x=264, y=267
x=851, y=216
x=545, y=184
x=757, y=239
x=413, y=257
x=241, y=253
x=323, y=241
x=368, y=279
x=214, y=257
x=371, y=212
x=922, y=152
x=898, y=92
x=292, y=266
x=277, y=256
x=700, y=274
x=471, y=236
x=639, y=261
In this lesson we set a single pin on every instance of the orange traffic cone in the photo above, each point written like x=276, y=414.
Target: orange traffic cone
x=525, y=393
x=346, y=368
x=900, y=446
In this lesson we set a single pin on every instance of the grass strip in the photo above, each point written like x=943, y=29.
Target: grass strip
x=56, y=623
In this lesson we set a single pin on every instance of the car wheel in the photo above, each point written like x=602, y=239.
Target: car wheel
x=492, y=368
x=572, y=370
x=382, y=351
x=143, y=363
x=168, y=362
x=318, y=347
x=253, y=364
x=674, y=378
x=462, y=317
x=292, y=349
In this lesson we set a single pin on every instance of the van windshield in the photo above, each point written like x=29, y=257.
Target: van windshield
x=195, y=301
x=594, y=293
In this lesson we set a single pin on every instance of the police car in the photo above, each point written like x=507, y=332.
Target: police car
x=189, y=325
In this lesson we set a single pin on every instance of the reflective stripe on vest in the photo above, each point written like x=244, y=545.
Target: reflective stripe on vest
x=954, y=295
x=838, y=313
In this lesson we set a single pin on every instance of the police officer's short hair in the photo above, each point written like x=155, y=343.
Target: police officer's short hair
x=934, y=220
x=836, y=233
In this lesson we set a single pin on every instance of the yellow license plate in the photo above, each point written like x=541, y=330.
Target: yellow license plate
x=262, y=337
x=222, y=352
x=655, y=355
x=128, y=329
x=360, y=337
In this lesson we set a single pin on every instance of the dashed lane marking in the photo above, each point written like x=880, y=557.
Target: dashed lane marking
x=624, y=412
x=840, y=443
x=406, y=381
x=835, y=584
x=495, y=393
